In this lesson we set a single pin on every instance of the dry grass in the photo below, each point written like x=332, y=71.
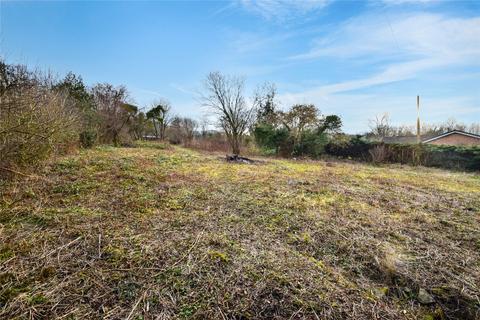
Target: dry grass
x=159, y=232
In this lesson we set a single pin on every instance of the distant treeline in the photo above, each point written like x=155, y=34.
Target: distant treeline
x=381, y=127
x=42, y=115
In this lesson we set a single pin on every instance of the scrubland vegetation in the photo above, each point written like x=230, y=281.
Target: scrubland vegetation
x=156, y=231
x=96, y=222
x=42, y=116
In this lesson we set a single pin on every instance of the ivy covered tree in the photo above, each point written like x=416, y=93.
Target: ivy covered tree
x=160, y=116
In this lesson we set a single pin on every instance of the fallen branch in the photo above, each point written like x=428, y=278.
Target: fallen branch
x=16, y=172
x=237, y=158
x=24, y=174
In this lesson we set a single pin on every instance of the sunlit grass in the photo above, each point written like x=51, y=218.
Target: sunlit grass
x=169, y=232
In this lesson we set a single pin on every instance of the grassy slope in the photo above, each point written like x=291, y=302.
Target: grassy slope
x=171, y=233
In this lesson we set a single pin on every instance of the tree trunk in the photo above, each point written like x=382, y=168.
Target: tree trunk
x=155, y=126
x=115, y=139
x=162, y=131
x=236, y=145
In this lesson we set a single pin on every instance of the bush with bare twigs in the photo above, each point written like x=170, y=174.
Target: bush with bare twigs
x=35, y=120
x=182, y=131
x=379, y=153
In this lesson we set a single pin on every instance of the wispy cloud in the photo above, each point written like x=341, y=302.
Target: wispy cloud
x=417, y=43
x=415, y=35
x=393, y=73
x=399, y=2
x=222, y=9
x=282, y=9
x=246, y=42
x=404, y=47
x=182, y=89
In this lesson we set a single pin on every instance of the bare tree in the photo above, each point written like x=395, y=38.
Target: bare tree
x=442, y=127
x=189, y=126
x=114, y=110
x=225, y=97
x=380, y=126
x=182, y=130
x=474, y=128
x=204, y=124
x=427, y=129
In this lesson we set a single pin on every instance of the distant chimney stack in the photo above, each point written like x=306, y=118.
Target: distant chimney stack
x=418, y=120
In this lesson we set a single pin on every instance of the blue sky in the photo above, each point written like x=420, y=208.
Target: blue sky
x=352, y=58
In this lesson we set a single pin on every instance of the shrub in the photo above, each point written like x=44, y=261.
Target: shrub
x=114, y=112
x=379, y=153
x=414, y=154
x=347, y=147
x=182, y=131
x=311, y=144
x=35, y=122
x=212, y=141
x=280, y=141
x=284, y=143
x=88, y=138
x=269, y=138
x=449, y=157
x=263, y=134
x=455, y=157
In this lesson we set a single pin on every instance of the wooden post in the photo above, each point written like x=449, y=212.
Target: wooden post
x=418, y=120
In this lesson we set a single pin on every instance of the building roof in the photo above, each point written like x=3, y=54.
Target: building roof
x=400, y=139
x=472, y=135
x=406, y=139
x=427, y=138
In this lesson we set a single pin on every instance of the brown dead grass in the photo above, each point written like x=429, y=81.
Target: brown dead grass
x=158, y=232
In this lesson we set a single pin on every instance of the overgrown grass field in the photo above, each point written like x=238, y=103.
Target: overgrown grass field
x=160, y=232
